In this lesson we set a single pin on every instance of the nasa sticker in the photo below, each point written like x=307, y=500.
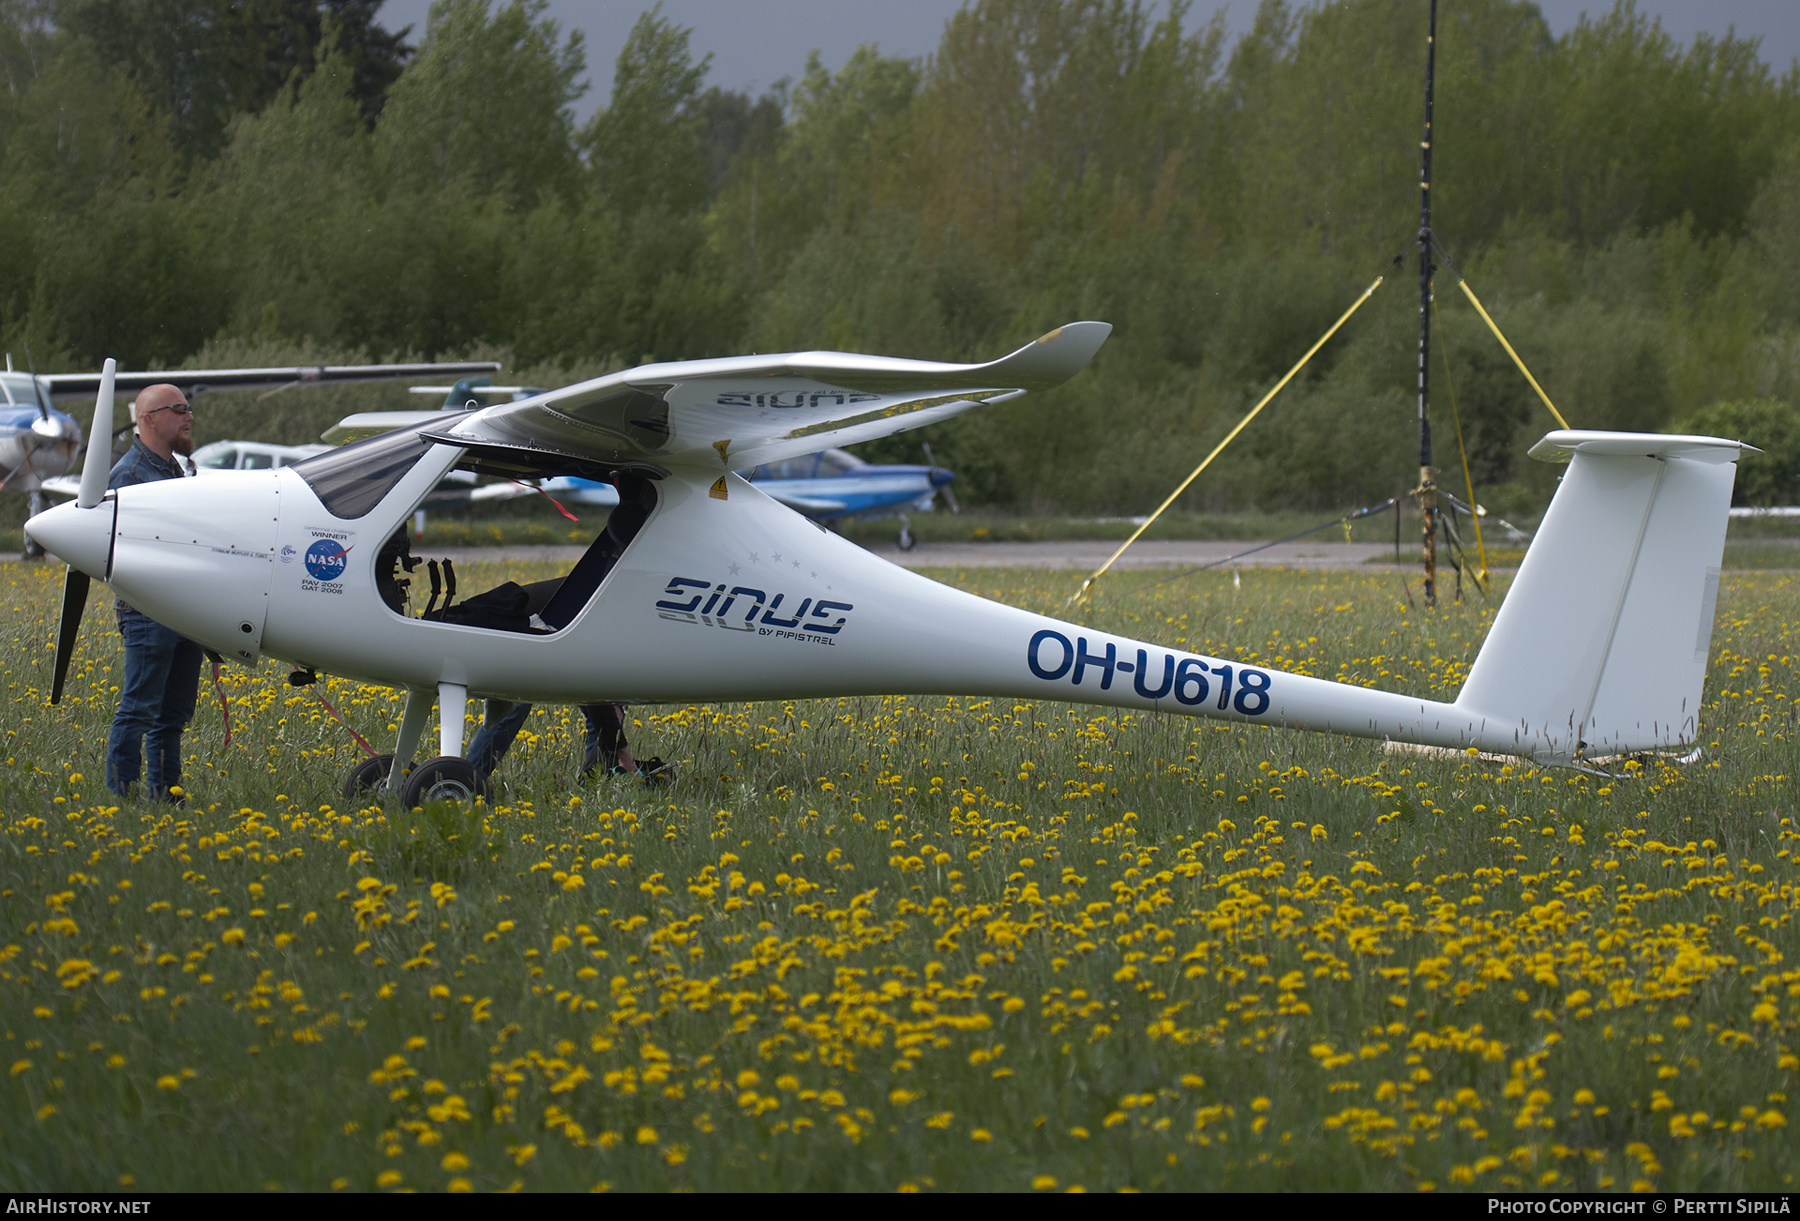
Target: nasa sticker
x=326, y=558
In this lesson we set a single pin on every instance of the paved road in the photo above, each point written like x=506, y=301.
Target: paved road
x=1082, y=555
x=1144, y=554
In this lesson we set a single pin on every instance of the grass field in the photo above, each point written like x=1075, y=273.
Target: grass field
x=913, y=943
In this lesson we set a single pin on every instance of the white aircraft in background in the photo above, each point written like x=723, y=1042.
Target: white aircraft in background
x=701, y=587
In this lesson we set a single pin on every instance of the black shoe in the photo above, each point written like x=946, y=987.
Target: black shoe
x=655, y=772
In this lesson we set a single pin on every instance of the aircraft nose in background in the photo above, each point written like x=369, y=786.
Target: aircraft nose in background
x=79, y=537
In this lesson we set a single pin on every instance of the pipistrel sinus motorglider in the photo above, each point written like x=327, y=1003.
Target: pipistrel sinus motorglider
x=703, y=588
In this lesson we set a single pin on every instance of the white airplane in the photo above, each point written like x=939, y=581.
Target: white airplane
x=703, y=588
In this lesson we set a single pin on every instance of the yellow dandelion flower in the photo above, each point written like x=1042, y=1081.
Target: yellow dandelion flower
x=981, y=1135
x=388, y=1178
x=646, y=1135
x=454, y=1162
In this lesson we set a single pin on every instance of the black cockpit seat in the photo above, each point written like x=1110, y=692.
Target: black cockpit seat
x=550, y=606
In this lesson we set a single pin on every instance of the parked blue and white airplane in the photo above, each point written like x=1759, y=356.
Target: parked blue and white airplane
x=835, y=486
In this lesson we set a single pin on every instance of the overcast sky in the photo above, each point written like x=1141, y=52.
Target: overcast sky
x=754, y=43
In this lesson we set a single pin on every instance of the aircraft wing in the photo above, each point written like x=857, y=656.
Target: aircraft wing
x=365, y=424
x=738, y=412
x=63, y=386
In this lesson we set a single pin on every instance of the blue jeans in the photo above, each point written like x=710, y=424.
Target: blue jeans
x=156, y=700
x=604, y=734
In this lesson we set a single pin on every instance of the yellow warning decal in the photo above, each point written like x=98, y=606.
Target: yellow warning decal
x=718, y=489
x=722, y=446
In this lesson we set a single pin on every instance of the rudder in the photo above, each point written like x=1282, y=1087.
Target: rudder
x=1601, y=644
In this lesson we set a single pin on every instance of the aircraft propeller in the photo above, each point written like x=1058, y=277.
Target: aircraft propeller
x=94, y=471
x=943, y=489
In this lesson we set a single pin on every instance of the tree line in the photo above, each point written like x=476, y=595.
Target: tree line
x=195, y=180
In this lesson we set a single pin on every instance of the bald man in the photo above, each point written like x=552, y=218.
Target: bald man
x=162, y=669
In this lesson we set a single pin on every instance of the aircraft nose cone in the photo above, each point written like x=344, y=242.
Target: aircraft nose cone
x=77, y=536
x=940, y=476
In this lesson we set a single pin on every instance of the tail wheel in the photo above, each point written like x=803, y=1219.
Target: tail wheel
x=445, y=778
x=368, y=778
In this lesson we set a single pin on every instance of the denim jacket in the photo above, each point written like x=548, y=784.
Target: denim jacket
x=141, y=465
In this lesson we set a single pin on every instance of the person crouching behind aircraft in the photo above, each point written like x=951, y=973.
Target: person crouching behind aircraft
x=162, y=668
x=608, y=753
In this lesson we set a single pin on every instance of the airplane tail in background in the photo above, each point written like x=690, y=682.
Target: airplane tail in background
x=1600, y=646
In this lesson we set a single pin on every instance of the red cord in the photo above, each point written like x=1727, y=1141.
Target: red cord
x=360, y=740
x=553, y=500
x=224, y=705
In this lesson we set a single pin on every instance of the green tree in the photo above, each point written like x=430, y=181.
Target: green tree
x=486, y=101
x=202, y=61
x=1773, y=426
x=648, y=147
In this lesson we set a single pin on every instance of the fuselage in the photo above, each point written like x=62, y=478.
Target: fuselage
x=716, y=598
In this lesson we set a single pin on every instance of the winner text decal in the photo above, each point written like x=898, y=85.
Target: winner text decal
x=325, y=555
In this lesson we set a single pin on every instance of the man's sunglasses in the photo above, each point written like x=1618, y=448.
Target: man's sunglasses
x=177, y=408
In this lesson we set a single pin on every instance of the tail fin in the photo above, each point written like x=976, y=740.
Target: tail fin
x=1600, y=647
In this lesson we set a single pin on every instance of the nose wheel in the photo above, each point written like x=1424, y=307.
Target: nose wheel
x=446, y=778
x=907, y=540
x=368, y=779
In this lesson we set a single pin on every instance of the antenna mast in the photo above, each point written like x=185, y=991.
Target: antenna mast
x=1427, y=489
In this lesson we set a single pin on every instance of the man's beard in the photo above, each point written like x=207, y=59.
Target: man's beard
x=183, y=446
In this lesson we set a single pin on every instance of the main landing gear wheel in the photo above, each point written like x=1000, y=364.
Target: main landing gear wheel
x=445, y=778
x=368, y=778
x=907, y=539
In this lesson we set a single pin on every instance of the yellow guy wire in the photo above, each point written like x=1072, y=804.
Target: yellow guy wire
x=1087, y=585
x=1470, y=294
x=1461, y=449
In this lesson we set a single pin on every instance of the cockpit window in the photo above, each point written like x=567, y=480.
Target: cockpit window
x=835, y=462
x=19, y=389
x=352, y=480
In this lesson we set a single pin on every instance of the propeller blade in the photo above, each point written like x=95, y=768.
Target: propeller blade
x=75, y=592
x=95, y=470
x=944, y=491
